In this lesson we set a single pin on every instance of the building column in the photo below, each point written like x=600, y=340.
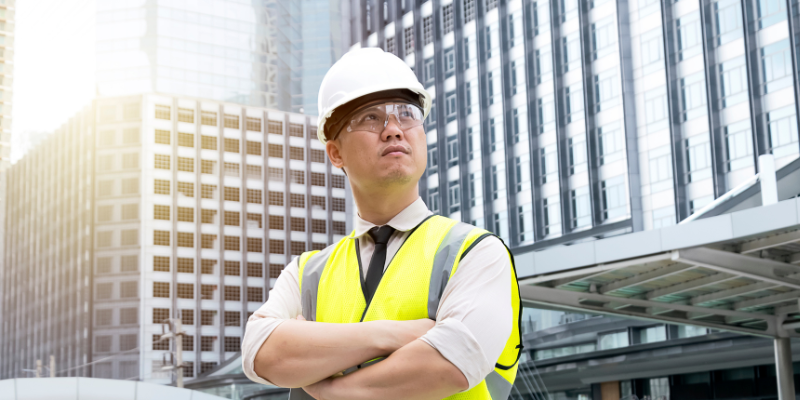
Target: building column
x=783, y=368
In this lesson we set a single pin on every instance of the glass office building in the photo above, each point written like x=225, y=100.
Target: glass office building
x=260, y=53
x=561, y=121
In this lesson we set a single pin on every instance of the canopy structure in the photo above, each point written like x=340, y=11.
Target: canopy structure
x=737, y=272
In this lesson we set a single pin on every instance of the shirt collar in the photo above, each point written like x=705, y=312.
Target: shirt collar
x=406, y=220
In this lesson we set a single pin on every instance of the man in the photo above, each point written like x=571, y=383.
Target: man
x=356, y=320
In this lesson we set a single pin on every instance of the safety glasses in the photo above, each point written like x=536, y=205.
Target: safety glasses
x=374, y=118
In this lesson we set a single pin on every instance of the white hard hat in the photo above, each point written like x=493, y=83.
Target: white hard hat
x=362, y=72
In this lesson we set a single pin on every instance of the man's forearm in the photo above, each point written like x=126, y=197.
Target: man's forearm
x=415, y=372
x=299, y=353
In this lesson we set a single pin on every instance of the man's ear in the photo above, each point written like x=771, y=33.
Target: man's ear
x=332, y=148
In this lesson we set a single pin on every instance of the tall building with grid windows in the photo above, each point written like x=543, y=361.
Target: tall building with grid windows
x=143, y=208
x=558, y=120
x=7, y=22
x=561, y=121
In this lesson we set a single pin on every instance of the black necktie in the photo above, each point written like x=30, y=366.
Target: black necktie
x=381, y=236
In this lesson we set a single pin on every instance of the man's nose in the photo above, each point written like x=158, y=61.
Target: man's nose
x=392, y=129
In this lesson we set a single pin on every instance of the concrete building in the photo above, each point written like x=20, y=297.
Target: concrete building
x=142, y=208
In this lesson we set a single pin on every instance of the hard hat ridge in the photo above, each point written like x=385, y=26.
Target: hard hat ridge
x=364, y=72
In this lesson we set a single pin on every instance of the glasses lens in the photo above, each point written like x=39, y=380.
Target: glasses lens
x=408, y=115
x=370, y=119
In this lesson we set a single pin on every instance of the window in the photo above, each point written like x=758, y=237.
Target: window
x=185, y=214
x=207, y=191
x=496, y=133
x=433, y=158
x=427, y=30
x=255, y=269
x=275, y=198
x=186, y=189
x=451, y=106
x=297, y=177
x=102, y=344
x=208, y=142
x=552, y=216
x=337, y=181
x=275, y=174
x=232, y=121
x=408, y=40
x=613, y=340
x=782, y=127
x=651, y=43
x=185, y=139
x=275, y=127
x=318, y=202
x=339, y=227
x=126, y=343
x=161, y=289
x=207, y=366
x=207, y=166
x=574, y=103
x=603, y=37
x=253, y=148
x=232, y=243
x=255, y=245
x=232, y=318
x=207, y=317
x=130, y=136
x=231, y=169
x=296, y=130
x=162, y=136
x=231, y=193
x=161, y=238
x=254, y=171
x=338, y=204
x=523, y=173
x=664, y=216
x=207, y=266
x=185, y=239
x=770, y=12
x=254, y=196
x=161, y=263
x=610, y=144
x=296, y=153
x=208, y=118
x=564, y=351
x=318, y=226
x=660, y=165
x=232, y=268
x=231, y=145
x=185, y=164
x=297, y=248
x=605, y=91
x=129, y=263
x=297, y=224
x=469, y=10
x=255, y=294
x=207, y=343
x=187, y=317
x=491, y=5
x=130, y=161
x=276, y=222
x=232, y=218
x=275, y=270
x=433, y=199
x=276, y=246
x=454, y=195
x=452, y=150
x=470, y=51
x=613, y=195
x=297, y=200
x=104, y=213
x=577, y=154
x=186, y=115
x=232, y=293
x=129, y=289
x=698, y=158
x=733, y=82
x=728, y=20
x=549, y=163
x=390, y=46
x=498, y=182
x=317, y=179
x=185, y=291
x=571, y=52
x=104, y=238
x=188, y=343
x=161, y=161
x=103, y=265
x=689, y=36
x=685, y=331
x=317, y=156
x=207, y=241
x=163, y=112
x=253, y=124
x=186, y=265
x=232, y=343
x=104, y=290
x=581, y=208
x=776, y=65
x=495, y=88
x=652, y=334
x=207, y=293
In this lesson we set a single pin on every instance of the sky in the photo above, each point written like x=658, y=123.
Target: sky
x=54, y=67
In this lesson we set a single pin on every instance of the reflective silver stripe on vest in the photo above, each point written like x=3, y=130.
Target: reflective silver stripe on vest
x=443, y=264
x=499, y=387
x=312, y=273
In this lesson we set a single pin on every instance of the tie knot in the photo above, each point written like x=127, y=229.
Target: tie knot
x=381, y=234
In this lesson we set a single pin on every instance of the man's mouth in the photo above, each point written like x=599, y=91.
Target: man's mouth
x=394, y=150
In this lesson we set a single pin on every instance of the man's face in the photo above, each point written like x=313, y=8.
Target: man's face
x=394, y=156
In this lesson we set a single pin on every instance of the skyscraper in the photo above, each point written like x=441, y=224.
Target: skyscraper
x=560, y=120
x=7, y=21
x=148, y=207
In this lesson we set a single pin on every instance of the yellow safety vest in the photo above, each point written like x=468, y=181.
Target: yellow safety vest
x=331, y=290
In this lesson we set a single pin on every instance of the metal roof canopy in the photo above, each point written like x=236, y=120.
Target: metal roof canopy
x=737, y=272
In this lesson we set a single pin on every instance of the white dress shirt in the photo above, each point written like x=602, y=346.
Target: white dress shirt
x=474, y=319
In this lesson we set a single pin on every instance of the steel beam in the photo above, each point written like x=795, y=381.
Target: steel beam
x=783, y=368
x=735, y=292
x=693, y=284
x=751, y=267
x=594, y=303
x=771, y=241
x=649, y=276
x=575, y=275
x=767, y=300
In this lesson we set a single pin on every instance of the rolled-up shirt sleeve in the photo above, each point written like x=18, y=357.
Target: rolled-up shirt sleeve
x=283, y=303
x=475, y=316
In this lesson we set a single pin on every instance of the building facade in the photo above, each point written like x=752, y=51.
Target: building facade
x=259, y=53
x=561, y=121
x=143, y=208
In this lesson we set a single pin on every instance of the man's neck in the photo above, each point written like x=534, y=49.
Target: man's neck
x=379, y=207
